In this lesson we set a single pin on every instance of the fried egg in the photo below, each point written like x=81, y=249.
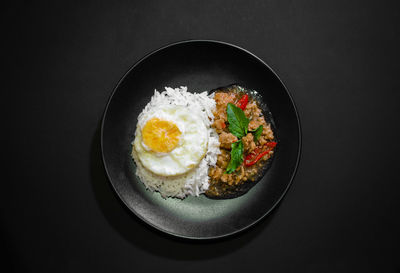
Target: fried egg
x=170, y=140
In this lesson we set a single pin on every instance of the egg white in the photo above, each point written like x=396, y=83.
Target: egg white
x=190, y=150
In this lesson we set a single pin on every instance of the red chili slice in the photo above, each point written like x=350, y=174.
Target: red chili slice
x=243, y=102
x=271, y=144
x=256, y=155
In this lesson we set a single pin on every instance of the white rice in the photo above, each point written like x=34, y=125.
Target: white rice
x=196, y=180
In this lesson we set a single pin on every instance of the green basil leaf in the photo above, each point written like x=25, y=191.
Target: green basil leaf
x=238, y=122
x=257, y=132
x=236, y=156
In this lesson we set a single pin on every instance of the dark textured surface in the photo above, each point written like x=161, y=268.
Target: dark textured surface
x=339, y=59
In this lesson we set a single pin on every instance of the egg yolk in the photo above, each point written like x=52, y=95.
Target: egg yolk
x=161, y=136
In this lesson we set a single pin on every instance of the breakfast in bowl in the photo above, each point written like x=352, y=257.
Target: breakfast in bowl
x=217, y=143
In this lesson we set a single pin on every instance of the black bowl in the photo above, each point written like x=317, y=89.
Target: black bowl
x=200, y=65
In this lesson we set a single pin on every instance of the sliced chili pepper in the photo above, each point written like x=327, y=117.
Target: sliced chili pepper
x=248, y=163
x=243, y=102
x=271, y=144
x=250, y=158
x=256, y=155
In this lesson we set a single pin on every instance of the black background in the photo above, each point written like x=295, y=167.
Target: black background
x=340, y=61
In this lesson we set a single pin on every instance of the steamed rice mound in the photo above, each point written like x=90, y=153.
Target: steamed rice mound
x=196, y=180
